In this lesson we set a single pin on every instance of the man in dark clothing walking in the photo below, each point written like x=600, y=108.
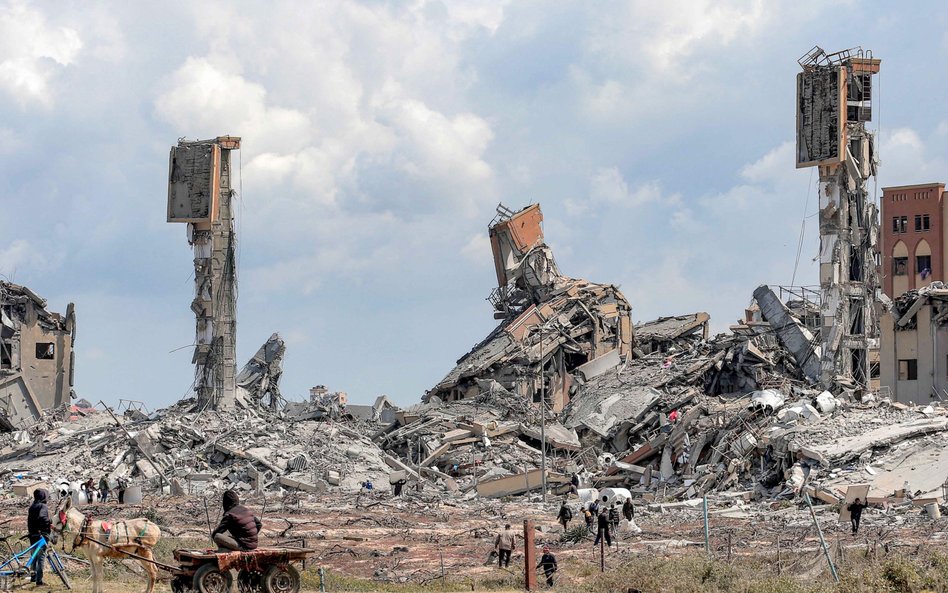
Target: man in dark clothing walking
x=242, y=525
x=614, y=518
x=397, y=487
x=855, y=513
x=603, y=531
x=38, y=525
x=548, y=564
x=564, y=516
x=628, y=511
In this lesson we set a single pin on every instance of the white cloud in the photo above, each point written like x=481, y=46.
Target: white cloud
x=21, y=256
x=477, y=250
x=607, y=186
x=31, y=53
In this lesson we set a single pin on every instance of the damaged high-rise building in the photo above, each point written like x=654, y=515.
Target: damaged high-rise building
x=36, y=356
x=200, y=194
x=834, y=102
x=556, y=330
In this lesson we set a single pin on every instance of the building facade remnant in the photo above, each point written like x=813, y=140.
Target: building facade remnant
x=834, y=102
x=552, y=325
x=913, y=237
x=914, y=356
x=36, y=356
x=200, y=194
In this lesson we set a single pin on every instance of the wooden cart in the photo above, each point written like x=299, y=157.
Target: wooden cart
x=268, y=570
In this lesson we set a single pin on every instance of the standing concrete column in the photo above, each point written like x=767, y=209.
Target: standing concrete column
x=200, y=194
x=834, y=102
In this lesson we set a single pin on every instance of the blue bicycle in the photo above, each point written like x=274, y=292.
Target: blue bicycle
x=19, y=564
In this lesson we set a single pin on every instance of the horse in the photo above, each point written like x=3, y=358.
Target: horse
x=99, y=540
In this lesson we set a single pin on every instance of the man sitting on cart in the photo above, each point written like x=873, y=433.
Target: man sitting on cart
x=240, y=523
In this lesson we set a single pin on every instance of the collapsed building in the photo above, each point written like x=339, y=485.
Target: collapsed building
x=555, y=330
x=834, y=102
x=200, y=195
x=36, y=356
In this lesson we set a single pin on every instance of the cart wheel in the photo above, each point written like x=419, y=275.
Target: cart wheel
x=249, y=581
x=208, y=579
x=180, y=585
x=281, y=579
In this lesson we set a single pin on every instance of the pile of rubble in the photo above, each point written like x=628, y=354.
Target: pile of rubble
x=488, y=444
x=179, y=450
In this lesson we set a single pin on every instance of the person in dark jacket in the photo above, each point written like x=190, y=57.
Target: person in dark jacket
x=38, y=526
x=614, y=518
x=548, y=564
x=628, y=511
x=564, y=516
x=242, y=525
x=855, y=513
x=603, y=532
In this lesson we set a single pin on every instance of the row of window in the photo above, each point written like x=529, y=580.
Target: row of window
x=44, y=351
x=919, y=195
x=923, y=266
x=900, y=223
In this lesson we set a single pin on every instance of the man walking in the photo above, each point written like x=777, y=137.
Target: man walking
x=548, y=564
x=628, y=511
x=104, y=489
x=614, y=518
x=564, y=516
x=855, y=513
x=38, y=526
x=504, y=544
x=603, y=531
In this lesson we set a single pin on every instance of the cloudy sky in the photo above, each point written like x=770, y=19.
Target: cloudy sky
x=378, y=138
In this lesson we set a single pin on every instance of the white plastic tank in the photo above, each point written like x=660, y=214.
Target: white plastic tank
x=133, y=494
x=587, y=495
x=614, y=495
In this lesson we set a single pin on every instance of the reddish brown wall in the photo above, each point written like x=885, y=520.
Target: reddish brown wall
x=908, y=201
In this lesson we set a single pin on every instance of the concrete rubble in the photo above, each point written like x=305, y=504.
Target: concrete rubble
x=178, y=450
x=673, y=414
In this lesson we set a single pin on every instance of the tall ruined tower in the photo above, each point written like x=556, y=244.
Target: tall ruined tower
x=199, y=194
x=834, y=102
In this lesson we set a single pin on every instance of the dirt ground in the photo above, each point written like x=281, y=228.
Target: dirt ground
x=422, y=542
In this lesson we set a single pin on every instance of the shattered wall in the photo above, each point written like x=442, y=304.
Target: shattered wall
x=259, y=381
x=36, y=356
x=914, y=356
x=199, y=194
x=549, y=321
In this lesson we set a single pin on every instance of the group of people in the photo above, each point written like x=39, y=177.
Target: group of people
x=506, y=542
x=100, y=492
x=606, y=519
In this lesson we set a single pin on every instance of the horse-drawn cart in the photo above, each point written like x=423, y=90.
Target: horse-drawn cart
x=267, y=570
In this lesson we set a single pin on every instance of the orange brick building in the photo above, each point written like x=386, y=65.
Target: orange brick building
x=913, y=247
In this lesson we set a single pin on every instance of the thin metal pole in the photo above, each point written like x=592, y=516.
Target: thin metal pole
x=819, y=532
x=602, y=551
x=707, y=529
x=542, y=421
